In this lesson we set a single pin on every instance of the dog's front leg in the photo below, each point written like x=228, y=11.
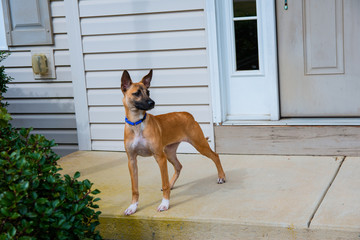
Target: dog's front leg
x=133, y=169
x=162, y=161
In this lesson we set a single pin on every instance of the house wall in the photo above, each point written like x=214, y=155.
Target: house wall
x=139, y=35
x=45, y=105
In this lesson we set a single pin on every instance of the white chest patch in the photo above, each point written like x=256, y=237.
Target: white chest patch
x=140, y=145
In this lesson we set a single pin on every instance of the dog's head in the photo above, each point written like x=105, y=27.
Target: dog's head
x=137, y=95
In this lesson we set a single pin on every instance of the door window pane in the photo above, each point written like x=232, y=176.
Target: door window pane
x=244, y=8
x=246, y=45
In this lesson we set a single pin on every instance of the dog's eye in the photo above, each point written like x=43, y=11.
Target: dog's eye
x=148, y=93
x=137, y=94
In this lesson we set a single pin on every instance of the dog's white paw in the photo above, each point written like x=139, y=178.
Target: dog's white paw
x=164, y=205
x=131, y=209
x=221, y=180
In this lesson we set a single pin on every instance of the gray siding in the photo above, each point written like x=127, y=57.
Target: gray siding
x=45, y=105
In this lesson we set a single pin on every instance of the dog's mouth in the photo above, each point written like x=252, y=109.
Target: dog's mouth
x=145, y=105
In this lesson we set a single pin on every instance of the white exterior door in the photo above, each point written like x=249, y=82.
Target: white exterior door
x=319, y=56
x=247, y=59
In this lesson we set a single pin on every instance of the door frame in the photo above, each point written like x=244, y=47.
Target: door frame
x=218, y=90
x=220, y=68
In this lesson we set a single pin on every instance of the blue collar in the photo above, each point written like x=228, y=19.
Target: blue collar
x=135, y=123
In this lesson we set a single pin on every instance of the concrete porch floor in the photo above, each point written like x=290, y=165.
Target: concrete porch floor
x=265, y=197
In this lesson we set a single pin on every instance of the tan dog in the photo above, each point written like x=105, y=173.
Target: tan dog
x=158, y=136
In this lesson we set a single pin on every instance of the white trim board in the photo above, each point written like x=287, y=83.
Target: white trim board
x=78, y=74
x=3, y=42
x=216, y=90
x=299, y=122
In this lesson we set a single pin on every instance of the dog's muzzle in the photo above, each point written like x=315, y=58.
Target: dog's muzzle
x=145, y=105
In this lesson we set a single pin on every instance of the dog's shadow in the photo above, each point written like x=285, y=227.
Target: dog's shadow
x=200, y=188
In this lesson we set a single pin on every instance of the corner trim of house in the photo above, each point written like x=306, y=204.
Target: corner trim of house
x=78, y=74
x=213, y=62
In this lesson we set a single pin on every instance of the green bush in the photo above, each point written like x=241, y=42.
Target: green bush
x=36, y=201
x=4, y=79
x=4, y=117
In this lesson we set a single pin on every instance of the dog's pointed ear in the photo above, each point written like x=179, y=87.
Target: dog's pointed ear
x=125, y=81
x=147, y=79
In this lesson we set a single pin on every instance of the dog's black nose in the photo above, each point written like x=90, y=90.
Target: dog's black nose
x=151, y=103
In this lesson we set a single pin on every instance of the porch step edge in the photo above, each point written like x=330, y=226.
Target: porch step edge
x=150, y=228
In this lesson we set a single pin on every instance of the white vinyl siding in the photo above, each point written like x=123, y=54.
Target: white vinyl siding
x=45, y=105
x=139, y=35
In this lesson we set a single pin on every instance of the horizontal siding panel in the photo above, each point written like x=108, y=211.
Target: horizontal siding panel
x=60, y=40
x=62, y=136
x=161, y=96
x=107, y=145
x=116, y=131
x=185, y=147
x=114, y=7
x=59, y=25
x=107, y=131
x=25, y=75
x=57, y=8
x=63, y=74
x=144, y=41
x=23, y=59
x=143, y=23
x=161, y=78
x=41, y=105
x=62, y=58
x=64, y=150
x=41, y=90
x=44, y=121
x=18, y=59
x=117, y=114
x=119, y=146
x=146, y=60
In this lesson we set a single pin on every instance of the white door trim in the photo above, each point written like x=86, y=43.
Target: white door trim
x=268, y=12
x=218, y=68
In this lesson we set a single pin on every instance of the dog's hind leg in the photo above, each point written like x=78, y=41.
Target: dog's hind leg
x=197, y=139
x=170, y=151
